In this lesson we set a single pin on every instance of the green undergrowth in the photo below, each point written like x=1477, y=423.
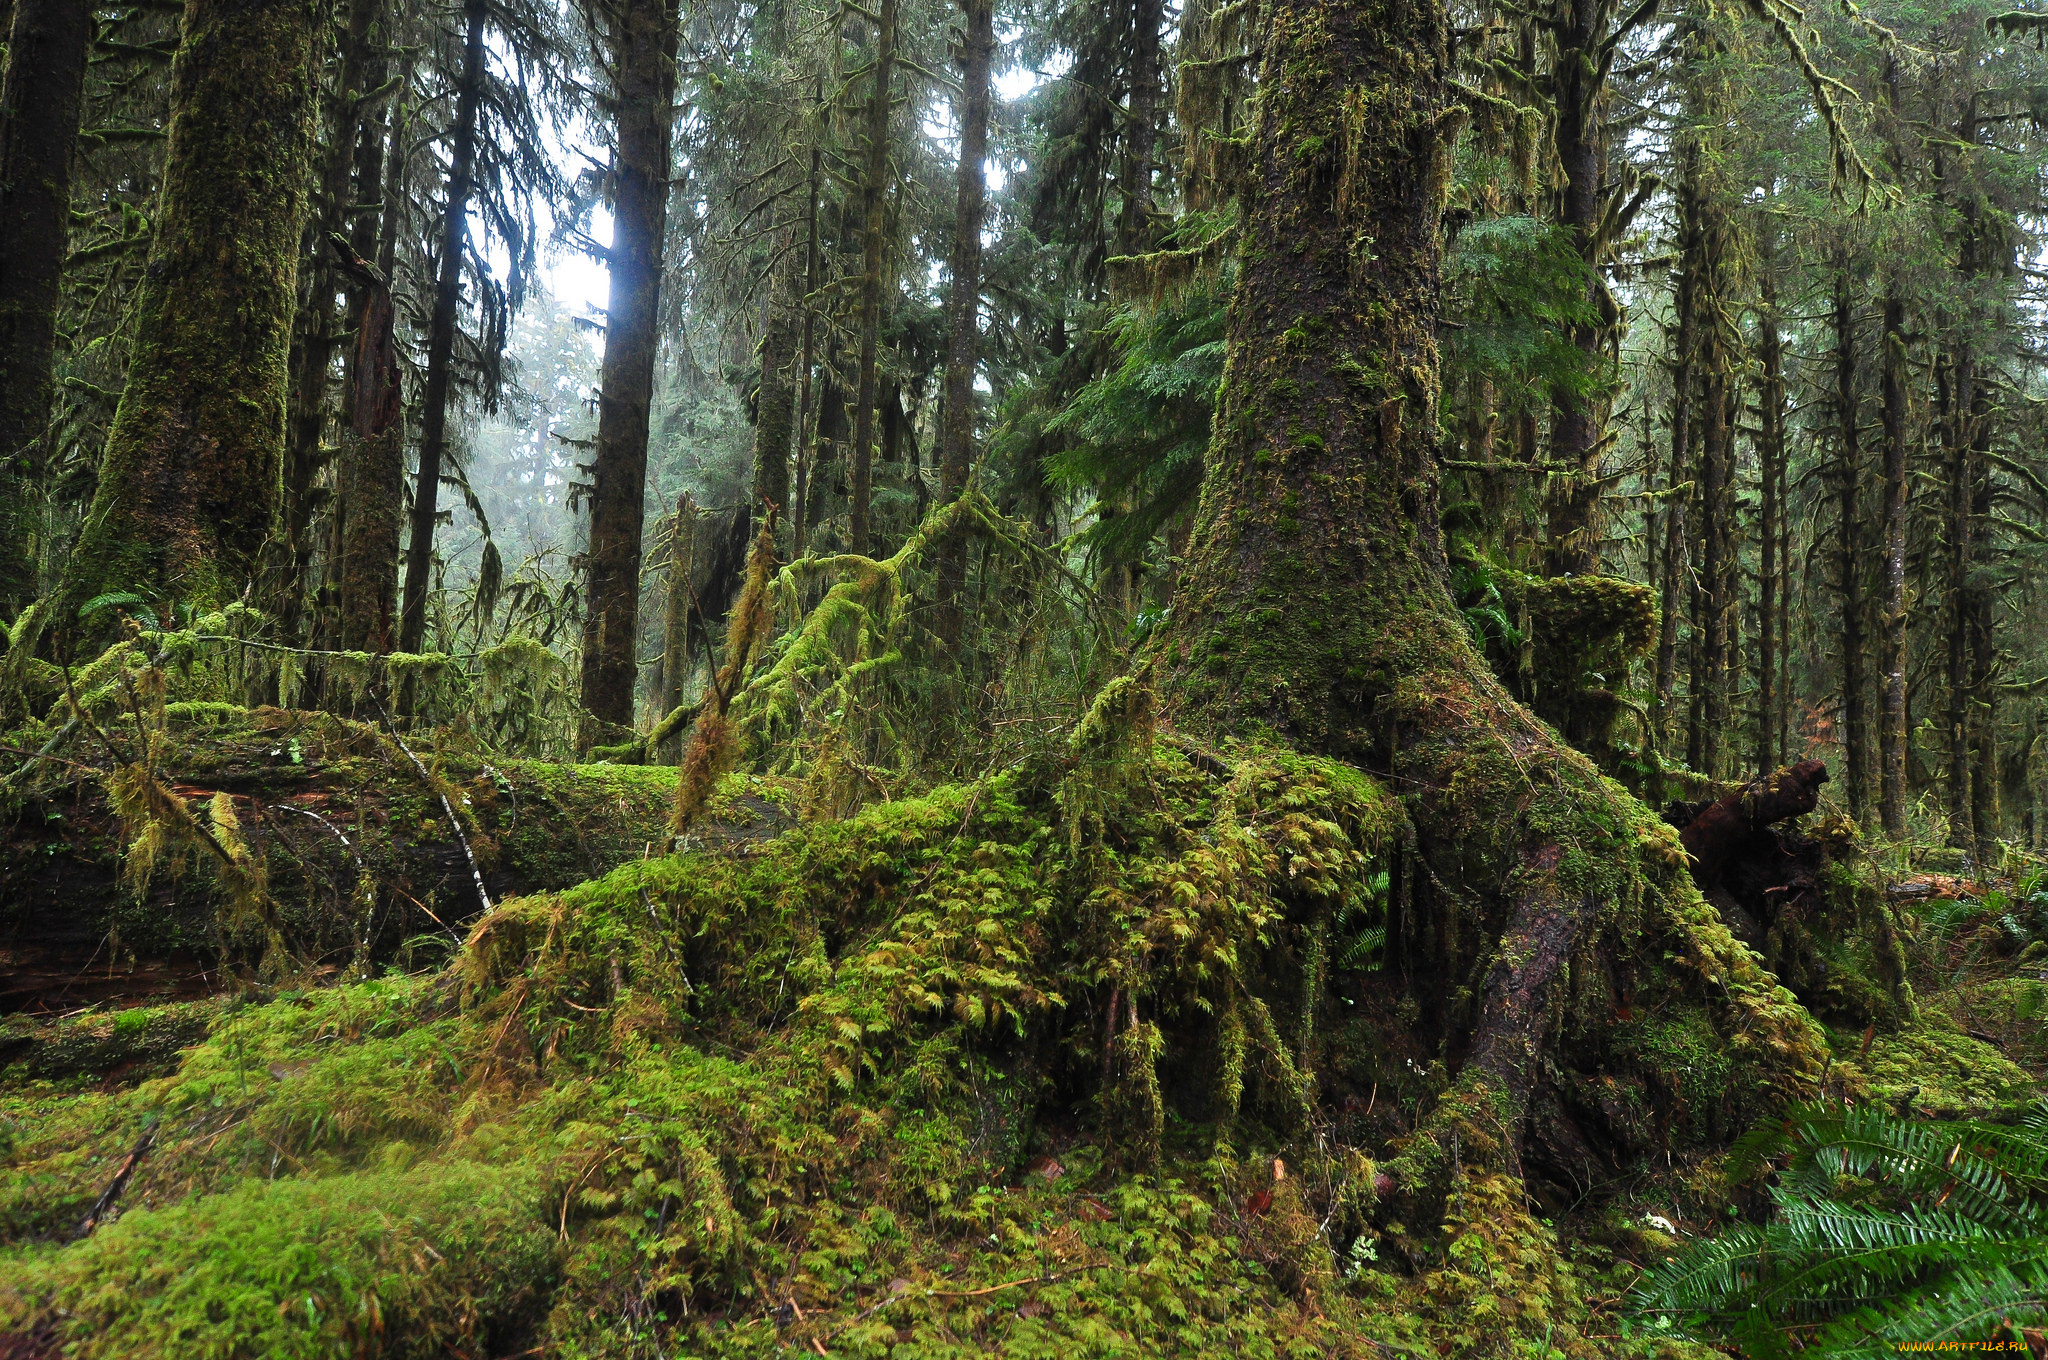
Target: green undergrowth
x=1042, y=1065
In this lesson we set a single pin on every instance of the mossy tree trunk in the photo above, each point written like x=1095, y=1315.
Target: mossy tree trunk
x=963, y=297
x=1670, y=583
x=1578, y=422
x=372, y=483
x=643, y=67
x=1849, y=547
x=1770, y=445
x=1891, y=723
x=189, y=484
x=40, y=99
x=874, y=260
x=419, y=552
x=1315, y=603
x=324, y=325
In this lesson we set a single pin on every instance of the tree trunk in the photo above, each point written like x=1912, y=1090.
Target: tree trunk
x=963, y=297
x=1315, y=603
x=800, y=506
x=775, y=417
x=373, y=483
x=1771, y=456
x=1983, y=716
x=189, y=484
x=40, y=99
x=874, y=255
x=419, y=552
x=644, y=74
x=1716, y=477
x=1671, y=586
x=1960, y=384
x=1577, y=421
x=1891, y=726
x=322, y=326
x=1849, y=557
x=1133, y=231
x=681, y=604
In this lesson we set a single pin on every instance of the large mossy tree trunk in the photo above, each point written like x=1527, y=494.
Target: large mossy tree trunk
x=40, y=100
x=643, y=66
x=1315, y=606
x=189, y=484
x=372, y=483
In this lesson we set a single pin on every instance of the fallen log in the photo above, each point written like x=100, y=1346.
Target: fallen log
x=1722, y=832
x=362, y=848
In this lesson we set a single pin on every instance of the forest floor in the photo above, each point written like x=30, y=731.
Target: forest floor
x=801, y=1087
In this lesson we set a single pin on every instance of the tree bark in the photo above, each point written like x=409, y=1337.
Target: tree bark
x=1849, y=555
x=800, y=506
x=40, y=99
x=189, y=484
x=1771, y=456
x=419, y=553
x=322, y=324
x=1717, y=489
x=1315, y=602
x=643, y=45
x=1960, y=383
x=1133, y=230
x=372, y=483
x=1891, y=728
x=874, y=256
x=1577, y=422
x=963, y=297
x=1671, y=586
x=775, y=417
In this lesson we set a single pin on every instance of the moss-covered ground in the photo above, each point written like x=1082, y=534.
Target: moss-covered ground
x=1079, y=1060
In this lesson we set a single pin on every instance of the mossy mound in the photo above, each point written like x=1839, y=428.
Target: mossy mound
x=1093, y=1057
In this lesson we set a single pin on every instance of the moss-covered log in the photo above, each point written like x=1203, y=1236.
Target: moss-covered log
x=1544, y=902
x=189, y=485
x=358, y=849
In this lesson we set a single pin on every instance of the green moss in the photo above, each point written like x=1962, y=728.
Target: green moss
x=1931, y=1069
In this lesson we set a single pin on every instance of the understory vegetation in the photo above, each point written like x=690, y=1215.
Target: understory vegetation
x=891, y=680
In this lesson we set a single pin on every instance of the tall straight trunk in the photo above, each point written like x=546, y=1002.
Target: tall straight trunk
x=1891, y=721
x=1671, y=586
x=189, y=482
x=963, y=297
x=1719, y=599
x=1783, y=717
x=1849, y=555
x=675, y=624
x=1983, y=691
x=1959, y=384
x=1577, y=419
x=643, y=61
x=1770, y=456
x=874, y=256
x=775, y=417
x=40, y=99
x=364, y=229
x=372, y=483
x=799, y=510
x=322, y=325
x=426, y=492
x=1133, y=231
